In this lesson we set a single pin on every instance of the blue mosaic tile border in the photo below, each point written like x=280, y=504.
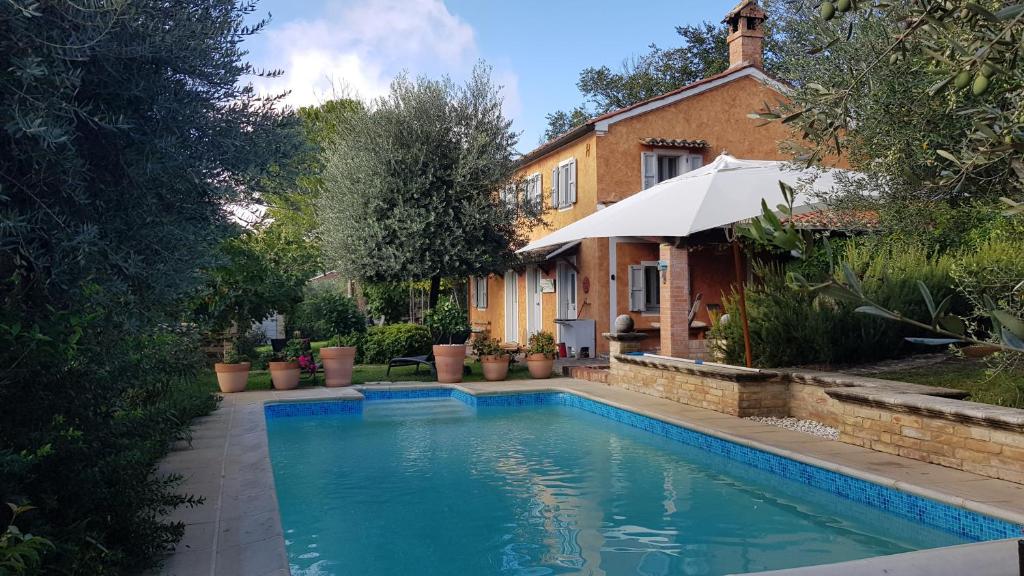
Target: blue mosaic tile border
x=959, y=521
x=316, y=408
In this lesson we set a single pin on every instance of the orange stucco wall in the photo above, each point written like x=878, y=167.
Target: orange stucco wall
x=608, y=169
x=718, y=116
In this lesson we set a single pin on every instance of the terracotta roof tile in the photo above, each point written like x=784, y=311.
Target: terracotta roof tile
x=837, y=220
x=672, y=143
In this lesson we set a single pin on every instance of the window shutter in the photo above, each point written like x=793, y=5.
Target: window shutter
x=695, y=161
x=554, y=188
x=483, y=291
x=636, y=288
x=649, y=169
x=534, y=191
x=571, y=177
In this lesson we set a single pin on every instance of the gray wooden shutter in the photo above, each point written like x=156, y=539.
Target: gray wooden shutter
x=554, y=188
x=695, y=161
x=571, y=177
x=636, y=288
x=649, y=169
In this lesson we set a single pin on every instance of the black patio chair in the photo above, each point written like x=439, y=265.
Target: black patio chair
x=428, y=359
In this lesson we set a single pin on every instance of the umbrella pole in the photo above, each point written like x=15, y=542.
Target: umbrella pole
x=740, y=280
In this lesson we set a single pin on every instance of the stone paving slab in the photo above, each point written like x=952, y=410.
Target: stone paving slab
x=237, y=531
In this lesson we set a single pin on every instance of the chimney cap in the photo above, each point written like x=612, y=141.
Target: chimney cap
x=747, y=8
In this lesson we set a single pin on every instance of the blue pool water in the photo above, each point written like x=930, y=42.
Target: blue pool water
x=436, y=486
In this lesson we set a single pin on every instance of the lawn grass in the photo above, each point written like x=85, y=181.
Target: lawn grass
x=362, y=373
x=1004, y=388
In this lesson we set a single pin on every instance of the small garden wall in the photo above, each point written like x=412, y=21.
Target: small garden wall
x=924, y=423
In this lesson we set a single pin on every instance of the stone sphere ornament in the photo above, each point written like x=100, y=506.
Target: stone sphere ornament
x=624, y=323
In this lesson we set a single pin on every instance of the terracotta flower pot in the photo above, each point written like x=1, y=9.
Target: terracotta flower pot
x=338, y=362
x=232, y=377
x=540, y=365
x=449, y=359
x=494, y=367
x=284, y=375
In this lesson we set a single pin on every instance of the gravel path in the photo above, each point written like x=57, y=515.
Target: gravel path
x=806, y=426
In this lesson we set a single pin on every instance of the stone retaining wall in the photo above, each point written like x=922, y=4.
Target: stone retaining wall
x=737, y=394
x=924, y=423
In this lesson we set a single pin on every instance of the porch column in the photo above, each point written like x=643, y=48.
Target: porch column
x=675, y=301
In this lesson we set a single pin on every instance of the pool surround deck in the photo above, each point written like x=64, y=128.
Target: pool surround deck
x=237, y=531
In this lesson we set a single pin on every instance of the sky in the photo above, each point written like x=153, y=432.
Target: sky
x=536, y=47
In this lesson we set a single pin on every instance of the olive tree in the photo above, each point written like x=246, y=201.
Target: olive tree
x=420, y=185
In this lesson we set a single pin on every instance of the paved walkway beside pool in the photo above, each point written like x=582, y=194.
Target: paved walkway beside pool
x=237, y=532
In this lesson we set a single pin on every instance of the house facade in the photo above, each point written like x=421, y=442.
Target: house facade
x=610, y=158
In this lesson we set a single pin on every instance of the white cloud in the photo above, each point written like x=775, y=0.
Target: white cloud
x=358, y=48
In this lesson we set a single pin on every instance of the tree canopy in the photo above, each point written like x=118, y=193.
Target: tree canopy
x=414, y=184
x=129, y=128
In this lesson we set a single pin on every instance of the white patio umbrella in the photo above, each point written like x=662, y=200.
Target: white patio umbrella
x=725, y=191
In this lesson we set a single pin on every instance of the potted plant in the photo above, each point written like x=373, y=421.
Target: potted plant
x=493, y=358
x=233, y=372
x=540, y=354
x=449, y=329
x=338, y=361
x=284, y=368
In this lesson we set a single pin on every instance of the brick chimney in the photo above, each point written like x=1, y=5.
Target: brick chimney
x=746, y=34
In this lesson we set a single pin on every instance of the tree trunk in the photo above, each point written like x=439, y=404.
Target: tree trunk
x=435, y=291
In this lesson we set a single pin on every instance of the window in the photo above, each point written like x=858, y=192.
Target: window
x=533, y=191
x=563, y=184
x=508, y=195
x=644, y=287
x=660, y=166
x=480, y=292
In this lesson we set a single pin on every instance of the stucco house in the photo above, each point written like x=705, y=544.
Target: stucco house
x=611, y=157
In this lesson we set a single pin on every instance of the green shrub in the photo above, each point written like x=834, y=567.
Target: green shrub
x=389, y=300
x=790, y=327
x=325, y=313
x=393, y=340
x=448, y=322
x=542, y=342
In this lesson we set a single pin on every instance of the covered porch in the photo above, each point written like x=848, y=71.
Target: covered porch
x=671, y=255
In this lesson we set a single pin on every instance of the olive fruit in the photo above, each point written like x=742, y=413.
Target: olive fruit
x=980, y=85
x=962, y=80
x=828, y=10
x=844, y=5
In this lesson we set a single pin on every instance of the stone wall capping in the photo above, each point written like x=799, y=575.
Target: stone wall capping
x=840, y=380
x=624, y=336
x=960, y=411
x=704, y=370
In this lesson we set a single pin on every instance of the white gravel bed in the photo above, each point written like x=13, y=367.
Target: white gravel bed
x=806, y=426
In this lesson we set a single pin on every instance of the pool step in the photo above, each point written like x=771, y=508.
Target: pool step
x=420, y=409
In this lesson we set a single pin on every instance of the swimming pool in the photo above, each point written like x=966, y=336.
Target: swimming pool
x=442, y=482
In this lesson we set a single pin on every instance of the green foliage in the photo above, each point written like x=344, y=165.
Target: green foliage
x=20, y=552
x=264, y=270
x=326, y=312
x=293, y=349
x=992, y=272
x=448, y=322
x=389, y=300
x=934, y=86
x=790, y=325
x=542, y=342
x=393, y=340
x=128, y=131
x=484, y=345
x=413, y=185
x=248, y=345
